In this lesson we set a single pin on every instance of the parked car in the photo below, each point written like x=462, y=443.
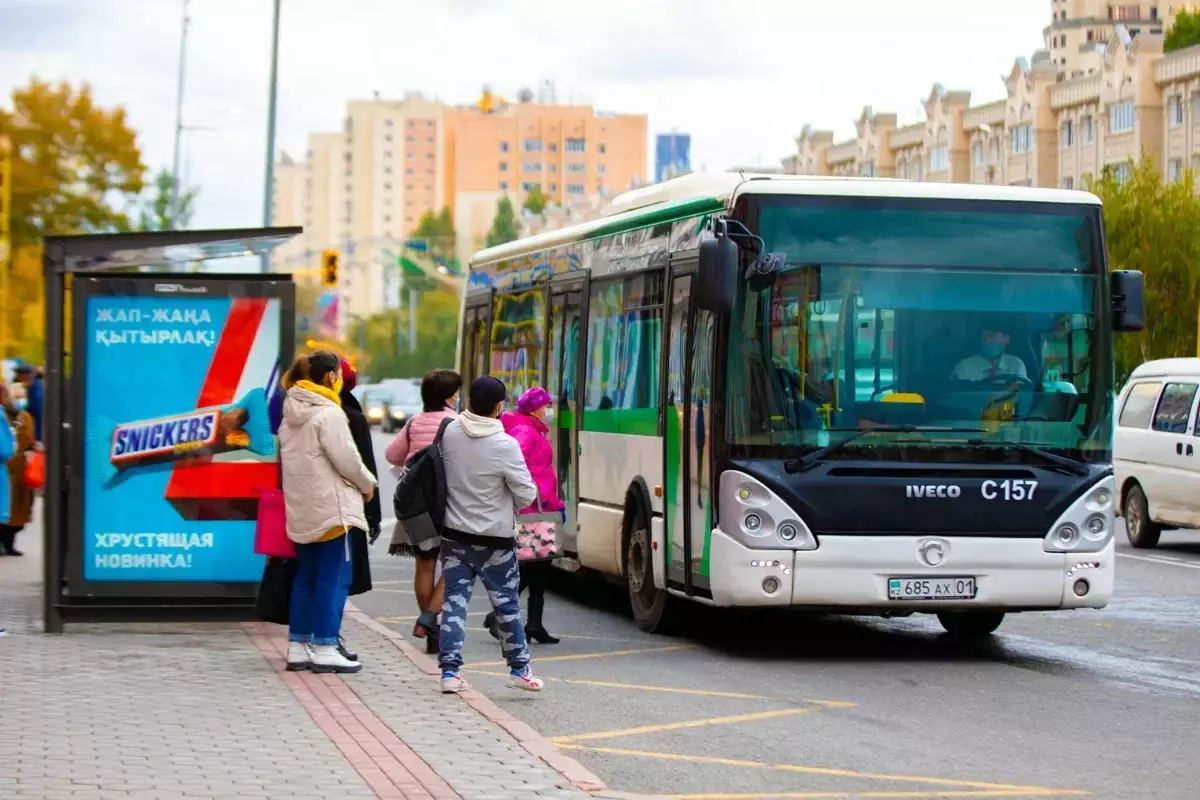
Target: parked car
x=1156, y=450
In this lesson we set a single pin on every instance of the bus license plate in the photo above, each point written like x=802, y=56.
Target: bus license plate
x=956, y=588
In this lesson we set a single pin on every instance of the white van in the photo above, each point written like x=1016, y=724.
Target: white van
x=1156, y=449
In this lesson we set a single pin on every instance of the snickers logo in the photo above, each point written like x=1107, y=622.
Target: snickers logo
x=144, y=439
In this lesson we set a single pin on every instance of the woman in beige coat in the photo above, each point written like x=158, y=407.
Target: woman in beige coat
x=325, y=483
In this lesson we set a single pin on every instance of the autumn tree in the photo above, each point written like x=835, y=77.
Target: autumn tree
x=384, y=337
x=76, y=166
x=1153, y=226
x=164, y=209
x=504, y=225
x=1185, y=32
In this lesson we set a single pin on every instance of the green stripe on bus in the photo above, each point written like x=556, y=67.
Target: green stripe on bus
x=632, y=421
x=659, y=215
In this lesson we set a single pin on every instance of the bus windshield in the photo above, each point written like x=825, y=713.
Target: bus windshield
x=988, y=321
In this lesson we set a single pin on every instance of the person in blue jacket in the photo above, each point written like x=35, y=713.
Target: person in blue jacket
x=8, y=449
x=34, y=395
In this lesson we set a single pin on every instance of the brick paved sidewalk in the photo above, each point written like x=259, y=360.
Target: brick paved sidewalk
x=168, y=712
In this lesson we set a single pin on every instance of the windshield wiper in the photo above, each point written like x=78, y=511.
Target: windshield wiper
x=1064, y=463
x=817, y=456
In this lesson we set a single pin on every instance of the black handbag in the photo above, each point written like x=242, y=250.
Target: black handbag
x=274, y=600
x=360, y=562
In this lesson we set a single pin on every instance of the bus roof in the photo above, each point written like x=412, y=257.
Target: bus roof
x=707, y=193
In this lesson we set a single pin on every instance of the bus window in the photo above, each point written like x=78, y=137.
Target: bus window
x=517, y=340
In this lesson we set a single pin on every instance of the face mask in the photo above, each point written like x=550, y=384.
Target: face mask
x=991, y=349
x=21, y=405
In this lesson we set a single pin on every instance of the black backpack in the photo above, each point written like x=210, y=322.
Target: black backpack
x=419, y=501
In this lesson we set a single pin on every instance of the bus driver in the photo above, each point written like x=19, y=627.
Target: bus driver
x=991, y=360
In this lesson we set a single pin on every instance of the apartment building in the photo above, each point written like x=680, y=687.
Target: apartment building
x=1014, y=141
x=935, y=148
x=1080, y=29
x=1177, y=77
x=365, y=189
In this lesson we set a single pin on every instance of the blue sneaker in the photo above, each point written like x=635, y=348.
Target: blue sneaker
x=522, y=679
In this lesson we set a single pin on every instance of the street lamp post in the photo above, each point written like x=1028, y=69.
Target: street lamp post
x=269, y=177
x=179, y=112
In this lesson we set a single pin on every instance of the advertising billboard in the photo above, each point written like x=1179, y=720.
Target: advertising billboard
x=672, y=156
x=174, y=379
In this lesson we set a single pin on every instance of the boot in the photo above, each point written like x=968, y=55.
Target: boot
x=346, y=652
x=298, y=657
x=433, y=642
x=7, y=537
x=326, y=658
x=534, y=629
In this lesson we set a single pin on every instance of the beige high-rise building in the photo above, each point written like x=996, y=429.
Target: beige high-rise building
x=366, y=189
x=1080, y=29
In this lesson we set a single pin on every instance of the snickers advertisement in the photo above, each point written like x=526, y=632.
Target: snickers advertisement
x=178, y=441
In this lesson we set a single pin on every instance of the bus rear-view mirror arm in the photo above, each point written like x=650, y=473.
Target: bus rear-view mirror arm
x=1128, y=305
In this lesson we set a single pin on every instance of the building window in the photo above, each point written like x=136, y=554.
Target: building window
x=387, y=219
x=995, y=150
x=939, y=159
x=600, y=169
x=1087, y=130
x=977, y=154
x=1175, y=111
x=410, y=170
x=387, y=122
x=1120, y=117
x=574, y=188
x=1021, y=139
x=553, y=147
x=554, y=187
x=532, y=166
x=504, y=147
x=503, y=186
x=600, y=148
x=1175, y=170
x=387, y=187
x=552, y=167
x=1068, y=134
x=575, y=145
x=532, y=145
x=1120, y=172
x=429, y=139
x=1068, y=182
x=387, y=138
x=504, y=166
x=387, y=153
x=576, y=168
x=529, y=187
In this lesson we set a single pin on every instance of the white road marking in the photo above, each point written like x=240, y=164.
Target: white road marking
x=1173, y=562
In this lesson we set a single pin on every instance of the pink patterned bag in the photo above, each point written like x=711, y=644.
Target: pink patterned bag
x=536, y=540
x=270, y=532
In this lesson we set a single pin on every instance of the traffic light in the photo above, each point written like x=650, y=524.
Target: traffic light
x=329, y=269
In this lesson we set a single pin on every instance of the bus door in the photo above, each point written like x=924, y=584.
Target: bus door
x=564, y=372
x=687, y=437
x=477, y=322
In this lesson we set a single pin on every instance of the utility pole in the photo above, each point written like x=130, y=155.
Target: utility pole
x=269, y=177
x=175, y=177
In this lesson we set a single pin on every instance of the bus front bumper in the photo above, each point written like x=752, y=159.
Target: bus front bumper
x=853, y=572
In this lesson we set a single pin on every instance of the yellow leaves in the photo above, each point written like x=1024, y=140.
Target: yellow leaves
x=23, y=306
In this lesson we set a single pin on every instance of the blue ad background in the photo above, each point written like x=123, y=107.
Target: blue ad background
x=131, y=381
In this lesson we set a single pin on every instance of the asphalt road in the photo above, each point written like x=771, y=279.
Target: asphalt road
x=1103, y=704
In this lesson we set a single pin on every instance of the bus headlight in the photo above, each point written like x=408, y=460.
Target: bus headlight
x=788, y=531
x=1066, y=535
x=1086, y=526
x=1095, y=527
x=758, y=518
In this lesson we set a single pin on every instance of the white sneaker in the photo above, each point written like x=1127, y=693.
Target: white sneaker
x=298, y=657
x=453, y=683
x=326, y=658
x=525, y=681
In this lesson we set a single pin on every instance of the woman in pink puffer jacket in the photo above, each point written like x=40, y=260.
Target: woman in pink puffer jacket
x=439, y=396
x=537, y=545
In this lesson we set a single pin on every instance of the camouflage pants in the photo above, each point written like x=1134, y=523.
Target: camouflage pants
x=497, y=568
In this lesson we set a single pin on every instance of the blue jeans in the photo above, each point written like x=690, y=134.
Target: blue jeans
x=497, y=568
x=319, y=592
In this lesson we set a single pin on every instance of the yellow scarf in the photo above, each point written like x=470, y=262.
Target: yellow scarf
x=324, y=391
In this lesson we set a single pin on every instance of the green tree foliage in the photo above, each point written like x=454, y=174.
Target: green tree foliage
x=504, y=224
x=535, y=201
x=161, y=210
x=384, y=338
x=1184, y=33
x=72, y=160
x=438, y=231
x=1154, y=227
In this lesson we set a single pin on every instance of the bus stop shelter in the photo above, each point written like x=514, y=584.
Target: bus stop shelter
x=155, y=428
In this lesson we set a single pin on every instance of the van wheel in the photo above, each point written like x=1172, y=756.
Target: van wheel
x=971, y=624
x=1142, y=531
x=648, y=603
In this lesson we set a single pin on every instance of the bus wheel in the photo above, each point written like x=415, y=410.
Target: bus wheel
x=648, y=603
x=971, y=624
x=1142, y=531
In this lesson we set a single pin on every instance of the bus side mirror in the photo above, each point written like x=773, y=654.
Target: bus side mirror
x=716, y=280
x=1128, y=305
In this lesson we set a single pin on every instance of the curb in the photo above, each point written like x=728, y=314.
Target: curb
x=575, y=773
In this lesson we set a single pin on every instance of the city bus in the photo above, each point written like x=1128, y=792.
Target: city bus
x=761, y=398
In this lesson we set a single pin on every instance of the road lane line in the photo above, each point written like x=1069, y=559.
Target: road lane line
x=838, y=773
x=640, y=687
x=678, y=726
x=1161, y=560
x=601, y=654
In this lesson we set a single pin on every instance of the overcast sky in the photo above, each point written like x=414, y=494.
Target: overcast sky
x=741, y=77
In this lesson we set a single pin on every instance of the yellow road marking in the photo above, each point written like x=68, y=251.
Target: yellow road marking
x=678, y=726
x=601, y=654
x=968, y=793
x=643, y=687
x=839, y=773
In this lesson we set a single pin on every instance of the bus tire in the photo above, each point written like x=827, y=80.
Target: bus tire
x=648, y=603
x=971, y=624
x=1142, y=531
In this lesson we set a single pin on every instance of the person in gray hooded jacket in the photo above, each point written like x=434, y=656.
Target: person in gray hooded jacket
x=486, y=482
